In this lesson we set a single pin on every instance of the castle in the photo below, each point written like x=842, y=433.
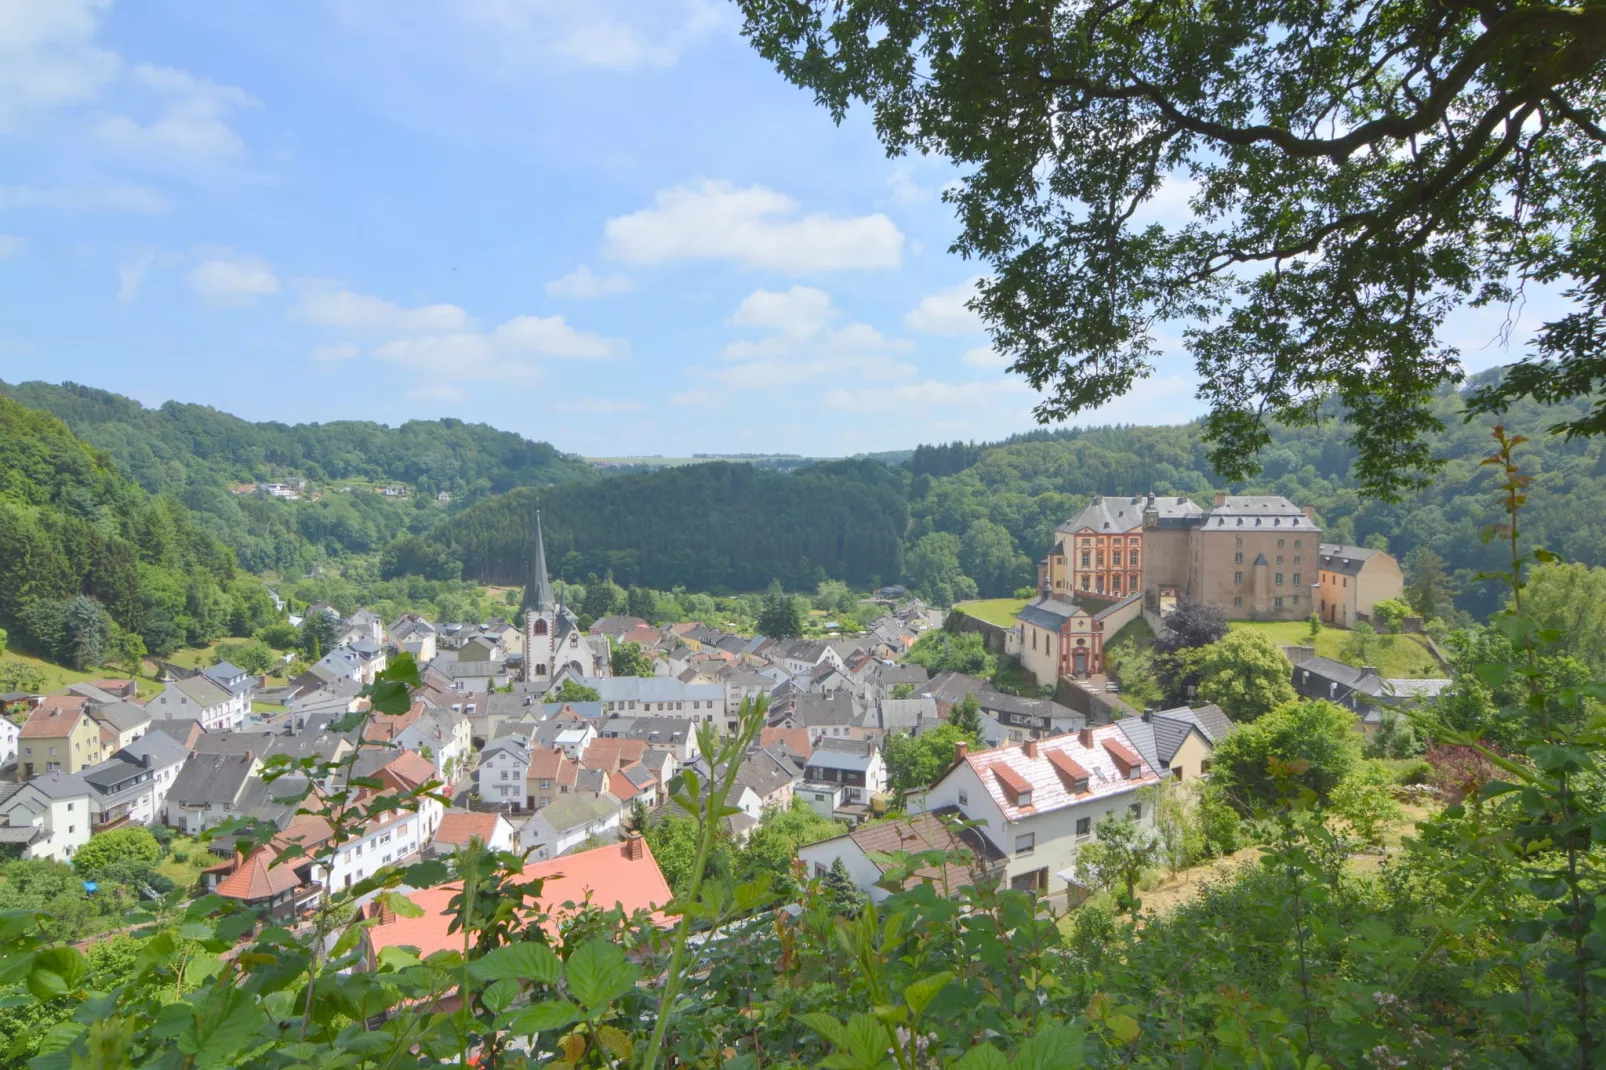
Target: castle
x=552, y=635
x=1257, y=557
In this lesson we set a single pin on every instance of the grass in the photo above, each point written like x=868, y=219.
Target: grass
x=186, y=873
x=999, y=611
x=59, y=676
x=1399, y=656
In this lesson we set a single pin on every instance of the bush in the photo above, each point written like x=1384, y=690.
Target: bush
x=1407, y=771
x=1317, y=739
x=1219, y=823
x=126, y=846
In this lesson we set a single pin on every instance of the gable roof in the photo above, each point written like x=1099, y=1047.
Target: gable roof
x=929, y=832
x=201, y=690
x=1118, y=515
x=574, y=810
x=211, y=779
x=457, y=827
x=1342, y=557
x=54, y=722
x=1013, y=764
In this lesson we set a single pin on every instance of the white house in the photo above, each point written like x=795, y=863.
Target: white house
x=459, y=826
x=1039, y=802
x=132, y=785
x=388, y=839
x=10, y=733
x=50, y=816
x=442, y=736
x=125, y=720
x=568, y=822
x=863, y=852
x=207, y=791
x=655, y=696
x=504, y=765
x=199, y=699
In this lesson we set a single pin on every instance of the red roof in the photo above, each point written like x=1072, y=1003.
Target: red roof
x=385, y=727
x=613, y=754
x=1124, y=757
x=459, y=826
x=795, y=740
x=1044, y=772
x=546, y=764
x=408, y=770
x=257, y=879
x=56, y=718
x=608, y=874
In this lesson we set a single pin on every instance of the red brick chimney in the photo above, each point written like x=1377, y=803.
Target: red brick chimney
x=960, y=750
x=1030, y=747
x=387, y=915
x=1085, y=738
x=634, y=849
x=1221, y=497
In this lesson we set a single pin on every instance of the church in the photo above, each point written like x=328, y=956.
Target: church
x=553, y=639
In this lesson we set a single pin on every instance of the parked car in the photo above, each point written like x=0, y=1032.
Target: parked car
x=1112, y=688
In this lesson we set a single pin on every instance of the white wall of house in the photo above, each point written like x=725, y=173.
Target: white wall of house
x=171, y=704
x=380, y=846
x=538, y=835
x=65, y=822
x=818, y=858
x=9, y=734
x=501, y=778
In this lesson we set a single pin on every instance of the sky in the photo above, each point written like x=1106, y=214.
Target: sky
x=606, y=224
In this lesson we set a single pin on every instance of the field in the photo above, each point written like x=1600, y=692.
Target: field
x=1400, y=656
x=59, y=676
x=999, y=611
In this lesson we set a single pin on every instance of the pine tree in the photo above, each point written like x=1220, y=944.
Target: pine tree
x=965, y=715
x=838, y=887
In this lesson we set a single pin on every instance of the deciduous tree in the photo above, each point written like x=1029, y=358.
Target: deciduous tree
x=1245, y=674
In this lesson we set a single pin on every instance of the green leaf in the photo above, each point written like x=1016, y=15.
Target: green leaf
x=599, y=973
x=867, y=1039
x=920, y=994
x=220, y=1027
x=499, y=995
x=1123, y=1027
x=56, y=971
x=828, y=1027
x=1493, y=673
x=524, y=961
x=981, y=1057
x=390, y=696
x=1055, y=1048
x=545, y=1017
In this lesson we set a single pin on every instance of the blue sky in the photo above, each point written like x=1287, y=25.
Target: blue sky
x=603, y=223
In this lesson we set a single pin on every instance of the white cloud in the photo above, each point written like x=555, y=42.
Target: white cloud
x=613, y=34
x=584, y=283
x=48, y=57
x=802, y=344
x=944, y=312
x=10, y=245
x=335, y=352
x=233, y=280
x=799, y=312
x=191, y=126
x=508, y=352
x=755, y=227
x=139, y=199
x=131, y=275
x=331, y=305
x=985, y=357
x=932, y=393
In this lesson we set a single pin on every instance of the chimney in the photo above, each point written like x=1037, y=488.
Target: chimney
x=1148, y=716
x=1371, y=670
x=634, y=849
x=1310, y=511
x=1030, y=747
x=1221, y=497
x=960, y=750
x=1085, y=738
x=387, y=914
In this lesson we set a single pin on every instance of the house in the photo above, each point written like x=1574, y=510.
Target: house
x=622, y=876
x=551, y=774
x=841, y=778
x=458, y=827
x=10, y=738
x=47, y=817
x=827, y=716
x=442, y=736
x=59, y=736
x=1038, y=802
x=414, y=635
x=504, y=768
x=906, y=716
x=1024, y=718
x=1064, y=635
x=1365, y=690
x=802, y=656
x=864, y=854
x=391, y=838
x=655, y=695
x=408, y=773
x=122, y=723
x=262, y=882
x=568, y=822
x=133, y=784
x=1177, y=743
x=773, y=775
x=207, y=791
x=235, y=680
x=197, y=698
x=1350, y=580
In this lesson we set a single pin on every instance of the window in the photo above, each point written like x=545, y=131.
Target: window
x=1277, y=603
x=1279, y=544
x=504, y=774
x=1023, y=799
x=1115, y=558
x=1136, y=810
x=1204, y=766
x=69, y=807
x=1237, y=602
x=1296, y=559
x=1115, y=584
x=1296, y=544
x=1296, y=579
x=1025, y=845
x=1084, y=583
x=1238, y=558
x=964, y=798
x=1279, y=559
x=1346, y=581
x=1085, y=558
x=1279, y=579
x=1101, y=558
x=1084, y=826
x=1132, y=558
x=1237, y=577
x=1100, y=585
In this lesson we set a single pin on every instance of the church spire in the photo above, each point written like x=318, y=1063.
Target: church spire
x=539, y=596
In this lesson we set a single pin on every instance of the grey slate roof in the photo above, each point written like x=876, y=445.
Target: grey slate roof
x=60, y=785
x=202, y=690
x=159, y=749
x=1341, y=557
x=210, y=779
x=572, y=811
x=1122, y=514
x=766, y=773
x=123, y=716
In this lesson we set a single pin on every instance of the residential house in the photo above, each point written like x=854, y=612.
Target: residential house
x=800, y=657
x=261, y=882
x=654, y=695
x=1364, y=690
x=414, y=635
x=828, y=716
x=1177, y=743
x=47, y=817
x=1025, y=718
x=133, y=784
x=458, y=827
x=842, y=777
x=235, y=680
x=10, y=738
x=1039, y=802
x=122, y=723
x=208, y=790
x=866, y=854
x=504, y=767
x=551, y=775
x=678, y=737
x=773, y=774
x=568, y=822
x=197, y=698
x=1350, y=580
x=60, y=736
x=441, y=735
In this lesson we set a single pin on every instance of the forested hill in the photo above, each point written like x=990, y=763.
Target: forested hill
x=71, y=525
x=180, y=445
x=716, y=526
x=994, y=507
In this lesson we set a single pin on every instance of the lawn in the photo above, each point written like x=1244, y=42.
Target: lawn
x=1400, y=656
x=59, y=676
x=197, y=857
x=999, y=611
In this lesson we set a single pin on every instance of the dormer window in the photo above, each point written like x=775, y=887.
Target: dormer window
x=1080, y=786
x=1023, y=798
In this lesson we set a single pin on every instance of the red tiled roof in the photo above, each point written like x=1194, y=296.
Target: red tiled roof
x=1070, y=771
x=613, y=754
x=1017, y=784
x=795, y=740
x=621, y=787
x=385, y=727
x=458, y=827
x=408, y=770
x=546, y=764
x=644, y=634
x=257, y=879
x=54, y=721
x=1045, y=774
x=1123, y=755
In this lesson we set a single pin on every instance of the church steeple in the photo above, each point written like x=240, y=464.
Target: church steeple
x=539, y=596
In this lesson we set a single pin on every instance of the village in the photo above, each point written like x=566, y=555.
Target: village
x=524, y=740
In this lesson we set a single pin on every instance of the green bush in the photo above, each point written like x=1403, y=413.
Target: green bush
x=1407, y=771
